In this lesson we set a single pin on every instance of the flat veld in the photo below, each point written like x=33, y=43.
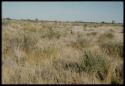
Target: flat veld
x=46, y=52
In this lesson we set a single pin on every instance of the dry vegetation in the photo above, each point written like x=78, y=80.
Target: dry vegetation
x=38, y=52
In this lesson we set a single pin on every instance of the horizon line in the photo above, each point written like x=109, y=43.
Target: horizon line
x=78, y=21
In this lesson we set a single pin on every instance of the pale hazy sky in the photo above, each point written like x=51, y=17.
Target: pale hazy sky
x=65, y=11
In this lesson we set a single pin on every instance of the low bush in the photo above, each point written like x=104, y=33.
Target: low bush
x=94, y=62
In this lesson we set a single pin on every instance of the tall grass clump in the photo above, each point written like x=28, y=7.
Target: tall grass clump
x=84, y=26
x=52, y=34
x=94, y=62
x=105, y=37
x=40, y=54
x=80, y=43
x=11, y=41
x=92, y=33
x=49, y=52
x=109, y=35
x=30, y=39
x=6, y=22
x=117, y=77
x=113, y=48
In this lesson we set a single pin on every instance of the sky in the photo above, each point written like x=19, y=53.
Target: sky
x=65, y=11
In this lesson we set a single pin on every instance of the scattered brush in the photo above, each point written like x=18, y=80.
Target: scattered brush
x=30, y=54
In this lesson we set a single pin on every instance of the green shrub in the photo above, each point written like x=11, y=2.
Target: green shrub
x=93, y=62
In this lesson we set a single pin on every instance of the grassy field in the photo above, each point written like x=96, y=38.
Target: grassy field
x=46, y=52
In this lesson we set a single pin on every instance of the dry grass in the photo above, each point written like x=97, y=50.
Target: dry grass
x=35, y=52
x=106, y=37
x=82, y=42
x=113, y=48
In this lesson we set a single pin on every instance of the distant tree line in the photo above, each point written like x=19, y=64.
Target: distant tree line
x=103, y=22
x=77, y=22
